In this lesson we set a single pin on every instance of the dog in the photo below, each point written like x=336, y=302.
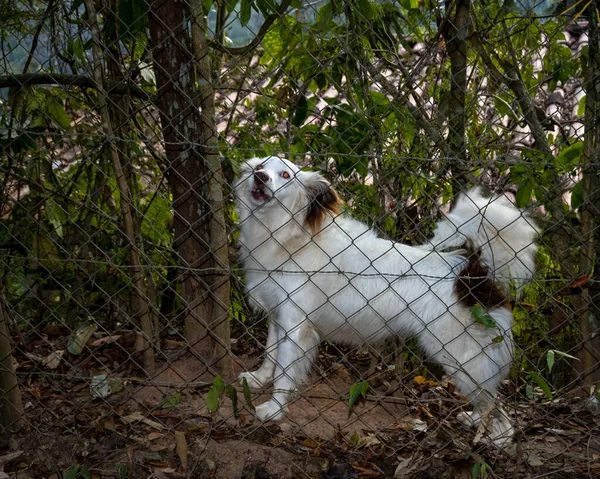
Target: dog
x=320, y=274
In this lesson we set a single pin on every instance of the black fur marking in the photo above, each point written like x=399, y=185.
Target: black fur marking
x=322, y=199
x=474, y=286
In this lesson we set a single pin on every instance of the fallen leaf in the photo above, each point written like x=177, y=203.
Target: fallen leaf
x=34, y=357
x=35, y=391
x=580, y=281
x=11, y=456
x=139, y=417
x=105, y=340
x=406, y=467
x=181, y=448
x=421, y=381
x=534, y=460
x=370, y=440
x=411, y=424
x=364, y=471
x=154, y=435
x=79, y=339
x=310, y=443
x=158, y=447
x=99, y=386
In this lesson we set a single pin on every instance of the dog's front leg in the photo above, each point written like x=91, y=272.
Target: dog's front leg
x=263, y=376
x=298, y=343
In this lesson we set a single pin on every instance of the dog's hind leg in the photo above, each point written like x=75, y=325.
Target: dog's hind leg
x=478, y=358
x=263, y=376
x=298, y=344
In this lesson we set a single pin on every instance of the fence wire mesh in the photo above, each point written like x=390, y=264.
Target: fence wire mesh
x=178, y=180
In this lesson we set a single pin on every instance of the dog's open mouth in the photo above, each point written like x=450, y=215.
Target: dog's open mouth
x=259, y=193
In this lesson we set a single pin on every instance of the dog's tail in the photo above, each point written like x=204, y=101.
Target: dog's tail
x=504, y=234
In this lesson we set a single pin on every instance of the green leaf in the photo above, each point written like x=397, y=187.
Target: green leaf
x=133, y=17
x=523, y=196
x=57, y=113
x=581, y=106
x=245, y=12
x=85, y=472
x=476, y=470
x=72, y=472
x=219, y=384
x=565, y=355
x=577, y=195
x=207, y=4
x=550, y=360
x=45, y=253
x=247, y=394
x=529, y=391
x=355, y=439
x=230, y=6
x=232, y=393
x=301, y=112
x=265, y=7
x=170, y=402
x=212, y=399
x=497, y=339
x=482, y=317
x=571, y=154
x=409, y=4
x=357, y=390
x=365, y=8
x=541, y=382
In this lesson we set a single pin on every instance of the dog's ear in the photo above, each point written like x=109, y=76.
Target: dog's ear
x=322, y=199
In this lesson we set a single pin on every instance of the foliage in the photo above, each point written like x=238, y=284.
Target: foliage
x=219, y=388
x=334, y=85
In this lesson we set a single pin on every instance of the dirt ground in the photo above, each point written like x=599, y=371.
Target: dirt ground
x=402, y=429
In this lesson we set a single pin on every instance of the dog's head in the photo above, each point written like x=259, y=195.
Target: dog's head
x=274, y=186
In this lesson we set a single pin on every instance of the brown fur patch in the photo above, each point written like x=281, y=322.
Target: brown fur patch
x=474, y=286
x=322, y=199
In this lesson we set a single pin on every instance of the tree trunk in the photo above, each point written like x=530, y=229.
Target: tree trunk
x=11, y=407
x=455, y=37
x=195, y=177
x=585, y=305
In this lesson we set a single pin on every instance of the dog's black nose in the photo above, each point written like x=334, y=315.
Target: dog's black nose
x=261, y=177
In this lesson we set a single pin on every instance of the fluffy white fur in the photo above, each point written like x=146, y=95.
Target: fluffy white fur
x=335, y=279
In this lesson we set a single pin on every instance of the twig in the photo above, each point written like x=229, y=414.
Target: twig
x=112, y=87
x=259, y=36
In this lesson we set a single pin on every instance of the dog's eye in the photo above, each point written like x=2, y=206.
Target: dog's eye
x=259, y=167
x=285, y=175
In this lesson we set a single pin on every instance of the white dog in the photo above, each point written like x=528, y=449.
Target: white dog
x=320, y=275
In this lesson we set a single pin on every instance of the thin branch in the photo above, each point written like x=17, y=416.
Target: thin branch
x=126, y=203
x=417, y=113
x=515, y=83
x=259, y=36
x=113, y=87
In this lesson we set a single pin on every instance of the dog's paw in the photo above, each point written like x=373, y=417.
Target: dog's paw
x=255, y=379
x=270, y=411
x=469, y=418
x=493, y=426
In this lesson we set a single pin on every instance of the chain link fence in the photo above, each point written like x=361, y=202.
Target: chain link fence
x=137, y=283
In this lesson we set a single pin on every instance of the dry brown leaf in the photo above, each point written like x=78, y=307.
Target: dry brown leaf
x=53, y=359
x=158, y=447
x=105, y=340
x=181, y=448
x=154, y=435
x=139, y=417
x=580, y=281
x=411, y=424
x=310, y=443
